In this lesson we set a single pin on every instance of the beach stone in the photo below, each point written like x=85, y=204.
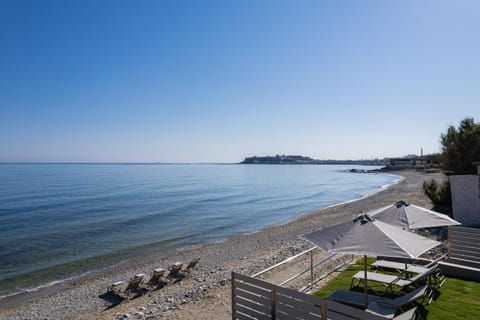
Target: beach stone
x=139, y=315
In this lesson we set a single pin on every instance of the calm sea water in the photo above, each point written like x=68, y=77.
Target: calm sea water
x=54, y=215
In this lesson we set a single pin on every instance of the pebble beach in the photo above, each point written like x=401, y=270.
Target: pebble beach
x=204, y=292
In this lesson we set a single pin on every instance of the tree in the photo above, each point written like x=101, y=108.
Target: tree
x=461, y=147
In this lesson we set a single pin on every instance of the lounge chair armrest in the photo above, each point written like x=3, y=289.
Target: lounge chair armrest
x=115, y=285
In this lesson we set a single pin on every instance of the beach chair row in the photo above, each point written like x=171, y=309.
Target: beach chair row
x=155, y=278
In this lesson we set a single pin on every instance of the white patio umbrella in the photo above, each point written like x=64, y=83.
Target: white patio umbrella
x=369, y=237
x=410, y=216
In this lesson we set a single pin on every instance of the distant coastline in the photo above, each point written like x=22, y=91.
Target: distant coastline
x=297, y=159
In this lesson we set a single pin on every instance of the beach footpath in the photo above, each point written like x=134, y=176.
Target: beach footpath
x=204, y=292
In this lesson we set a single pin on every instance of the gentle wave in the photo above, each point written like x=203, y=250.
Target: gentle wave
x=56, y=215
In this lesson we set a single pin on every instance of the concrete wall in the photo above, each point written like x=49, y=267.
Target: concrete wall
x=466, y=199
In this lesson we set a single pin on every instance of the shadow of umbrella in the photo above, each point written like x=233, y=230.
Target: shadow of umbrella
x=369, y=237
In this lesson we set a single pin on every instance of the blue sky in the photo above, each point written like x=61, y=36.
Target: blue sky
x=216, y=81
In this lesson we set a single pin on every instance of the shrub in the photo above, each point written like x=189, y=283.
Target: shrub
x=440, y=195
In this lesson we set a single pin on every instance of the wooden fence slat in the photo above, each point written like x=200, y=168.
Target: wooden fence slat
x=299, y=298
x=251, y=296
x=253, y=281
x=460, y=238
x=252, y=313
x=459, y=256
x=464, y=229
x=297, y=304
x=463, y=235
x=241, y=316
x=472, y=254
x=349, y=311
x=263, y=309
x=294, y=313
x=255, y=290
x=464, y=242
x=465, y=247
x=299, y=295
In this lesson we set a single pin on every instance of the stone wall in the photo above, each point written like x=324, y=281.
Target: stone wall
x=466, y=199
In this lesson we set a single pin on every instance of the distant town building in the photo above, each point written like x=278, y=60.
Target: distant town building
x=409, y=161
x=402, y=162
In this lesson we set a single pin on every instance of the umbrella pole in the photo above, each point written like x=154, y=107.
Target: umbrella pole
x=311, y=270
x=365, y=277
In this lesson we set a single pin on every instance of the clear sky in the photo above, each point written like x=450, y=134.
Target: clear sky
x=216, y=81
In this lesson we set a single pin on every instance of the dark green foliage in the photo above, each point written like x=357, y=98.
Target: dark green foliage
x=434, y=158
x=461, y=147
x=440, y=195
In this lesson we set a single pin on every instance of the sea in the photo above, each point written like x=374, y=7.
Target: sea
x=58, y=220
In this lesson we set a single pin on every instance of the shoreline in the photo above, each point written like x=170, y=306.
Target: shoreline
x=245, y=253
x=11, y=297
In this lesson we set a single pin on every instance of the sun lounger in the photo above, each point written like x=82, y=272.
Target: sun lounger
x=436, y=278
x=391, y=280
x=135, y=282
x=156, y=275
x=132, y=285
x=192, y=264
x=115, y=287
x=389, y=307
x=353, y=298
x=383, y=306
x=410, y=314
x=174, y=269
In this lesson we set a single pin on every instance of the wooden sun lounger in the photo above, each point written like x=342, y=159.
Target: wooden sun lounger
x=155, y=277
x=174, y=269
x=352, y=297
x=192, y=264
x=437, y=277
x=135, y=282
x=389, y=307
x=115, y=287
x=390, y=280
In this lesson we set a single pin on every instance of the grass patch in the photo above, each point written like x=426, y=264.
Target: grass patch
x=343, y=279
x=456, y=299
